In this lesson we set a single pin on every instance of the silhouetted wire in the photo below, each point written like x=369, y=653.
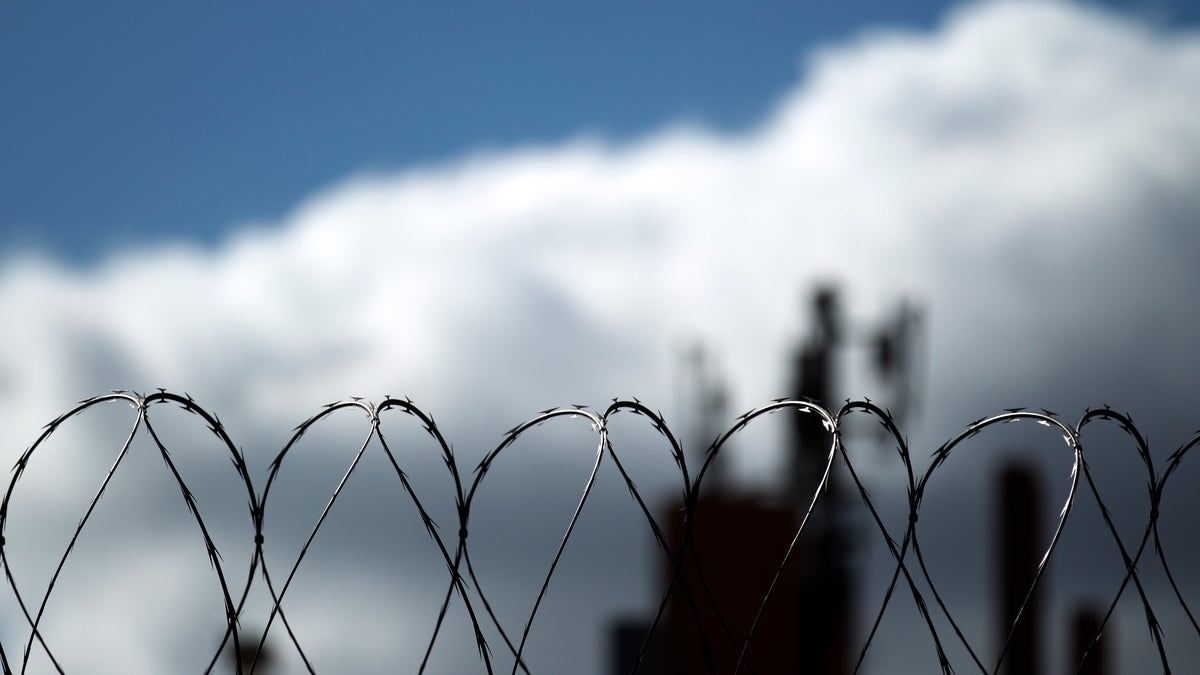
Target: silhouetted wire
x=1156, y=498
x=939, y=458
x=831, y=426
x=141, y=405
x=482, y=471
x=889, y=425
x=456, y=583
x=430, y=526
x=680, y=458
x=1143, y=450
x=466, y=585
x=239, y=463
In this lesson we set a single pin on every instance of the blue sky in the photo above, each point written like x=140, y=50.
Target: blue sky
x=128, y=123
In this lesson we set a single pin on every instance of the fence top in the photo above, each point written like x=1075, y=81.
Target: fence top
x=720, y=647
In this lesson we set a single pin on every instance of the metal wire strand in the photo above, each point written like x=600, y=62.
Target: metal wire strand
x=463, y=586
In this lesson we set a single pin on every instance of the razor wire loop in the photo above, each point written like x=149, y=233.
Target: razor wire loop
x=460, y=581
x=1154, y=488
x=374, y=433
x=674, y=556
x=714, y=451
x=1173, y=463
x=939, y=458
x=481, y=472
x=889, y=425
x=141, y=404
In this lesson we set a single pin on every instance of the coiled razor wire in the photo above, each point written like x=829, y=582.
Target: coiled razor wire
x=463, y=584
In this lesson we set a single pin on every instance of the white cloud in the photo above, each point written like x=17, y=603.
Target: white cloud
x=1027, y=172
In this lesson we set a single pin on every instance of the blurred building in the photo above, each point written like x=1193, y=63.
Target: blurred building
x=808, y=625
x=1020, y=618
x=249, y=659
x=1018, y=530
x=738, y=542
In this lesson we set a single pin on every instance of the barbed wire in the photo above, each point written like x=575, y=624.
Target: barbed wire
x=463, y=584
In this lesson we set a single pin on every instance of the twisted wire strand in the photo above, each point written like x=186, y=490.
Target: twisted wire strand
x=1153, y=486
x=239, y=463
x=911, y=568
x=1173, y=463
x=141, y=405
x=481, y=472
x=885, y=419
x=678, y=455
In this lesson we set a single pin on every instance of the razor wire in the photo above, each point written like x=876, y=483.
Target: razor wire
x=911, y=573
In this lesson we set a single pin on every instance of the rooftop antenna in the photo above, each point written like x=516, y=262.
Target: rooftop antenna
x=827, y=591
x=707, y=401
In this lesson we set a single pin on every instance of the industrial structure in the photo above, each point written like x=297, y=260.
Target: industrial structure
x=739, y=538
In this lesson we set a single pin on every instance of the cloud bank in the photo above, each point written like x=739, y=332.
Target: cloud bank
x=1026, y=171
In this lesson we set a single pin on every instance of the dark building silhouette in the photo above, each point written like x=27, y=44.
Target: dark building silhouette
x=1020, y=543
x=1088, y=656
x=247, y=655
x=824, y=591
x=739, y=539
x=627, y=645
x=738, y=542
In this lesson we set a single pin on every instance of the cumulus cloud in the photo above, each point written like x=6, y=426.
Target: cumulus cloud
x=1026, y=171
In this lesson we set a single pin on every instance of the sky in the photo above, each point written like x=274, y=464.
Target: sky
x=167, y=123
x=496, y=211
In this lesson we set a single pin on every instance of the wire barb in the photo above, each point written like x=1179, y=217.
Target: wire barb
x=688, y=586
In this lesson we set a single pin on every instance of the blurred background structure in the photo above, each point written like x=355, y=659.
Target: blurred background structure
x=740, y=537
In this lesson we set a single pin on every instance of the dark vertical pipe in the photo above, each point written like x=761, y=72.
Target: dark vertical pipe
x=1020, y=543
x=627, y=637
x=824, y=597
x=1089, y=656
